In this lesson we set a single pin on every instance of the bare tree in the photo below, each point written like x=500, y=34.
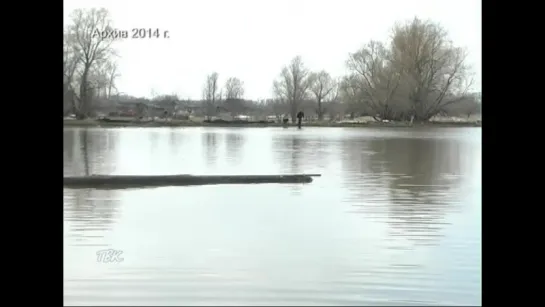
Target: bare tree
x=334, y=107
x=324, y=89
x=112, y=74
x=234, y=92
x=234, y=88
x=293, y=85
x=211, y=94
x=351, y=96
x=377, y=79
x=98, y=78
x=71, y=58
x=83, y=39
x=432, y=68
x=469, y=105
x=276, y=107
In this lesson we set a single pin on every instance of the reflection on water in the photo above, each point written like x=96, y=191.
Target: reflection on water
x=290, y=151
x=91, y=213
x=394, y=219
x=234, y=143
x=82, y=146
x=210, y=144
x=420, y=179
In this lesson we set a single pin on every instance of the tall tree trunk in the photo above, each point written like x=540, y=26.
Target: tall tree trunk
x=84, y=99
x=320, y=110
x=293, y=112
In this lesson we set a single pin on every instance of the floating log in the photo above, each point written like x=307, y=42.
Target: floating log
x=128, y=181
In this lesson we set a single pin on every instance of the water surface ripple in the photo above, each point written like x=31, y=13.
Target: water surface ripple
x=395, y=218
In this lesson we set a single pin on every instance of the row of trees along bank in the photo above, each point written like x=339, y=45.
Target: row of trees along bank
x=416, y=74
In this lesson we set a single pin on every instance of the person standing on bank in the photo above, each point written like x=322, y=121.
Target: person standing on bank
x=300, y=116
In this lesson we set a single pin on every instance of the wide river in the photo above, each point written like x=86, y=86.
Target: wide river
x=395, y=218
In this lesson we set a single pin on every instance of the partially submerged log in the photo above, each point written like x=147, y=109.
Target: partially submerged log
x=127, y=181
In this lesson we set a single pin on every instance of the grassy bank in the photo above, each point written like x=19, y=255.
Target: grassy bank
x=189, y=123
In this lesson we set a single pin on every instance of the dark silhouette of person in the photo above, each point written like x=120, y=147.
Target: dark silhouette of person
x=300, y=116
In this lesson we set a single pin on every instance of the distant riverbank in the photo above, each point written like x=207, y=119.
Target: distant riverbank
x=189, y=123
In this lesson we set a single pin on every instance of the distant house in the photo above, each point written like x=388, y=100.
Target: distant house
x=129, y=109
x=223, y=114
x=191, y=109
x=158, y=111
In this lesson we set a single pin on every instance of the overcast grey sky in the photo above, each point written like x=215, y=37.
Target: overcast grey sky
x=253, y=39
